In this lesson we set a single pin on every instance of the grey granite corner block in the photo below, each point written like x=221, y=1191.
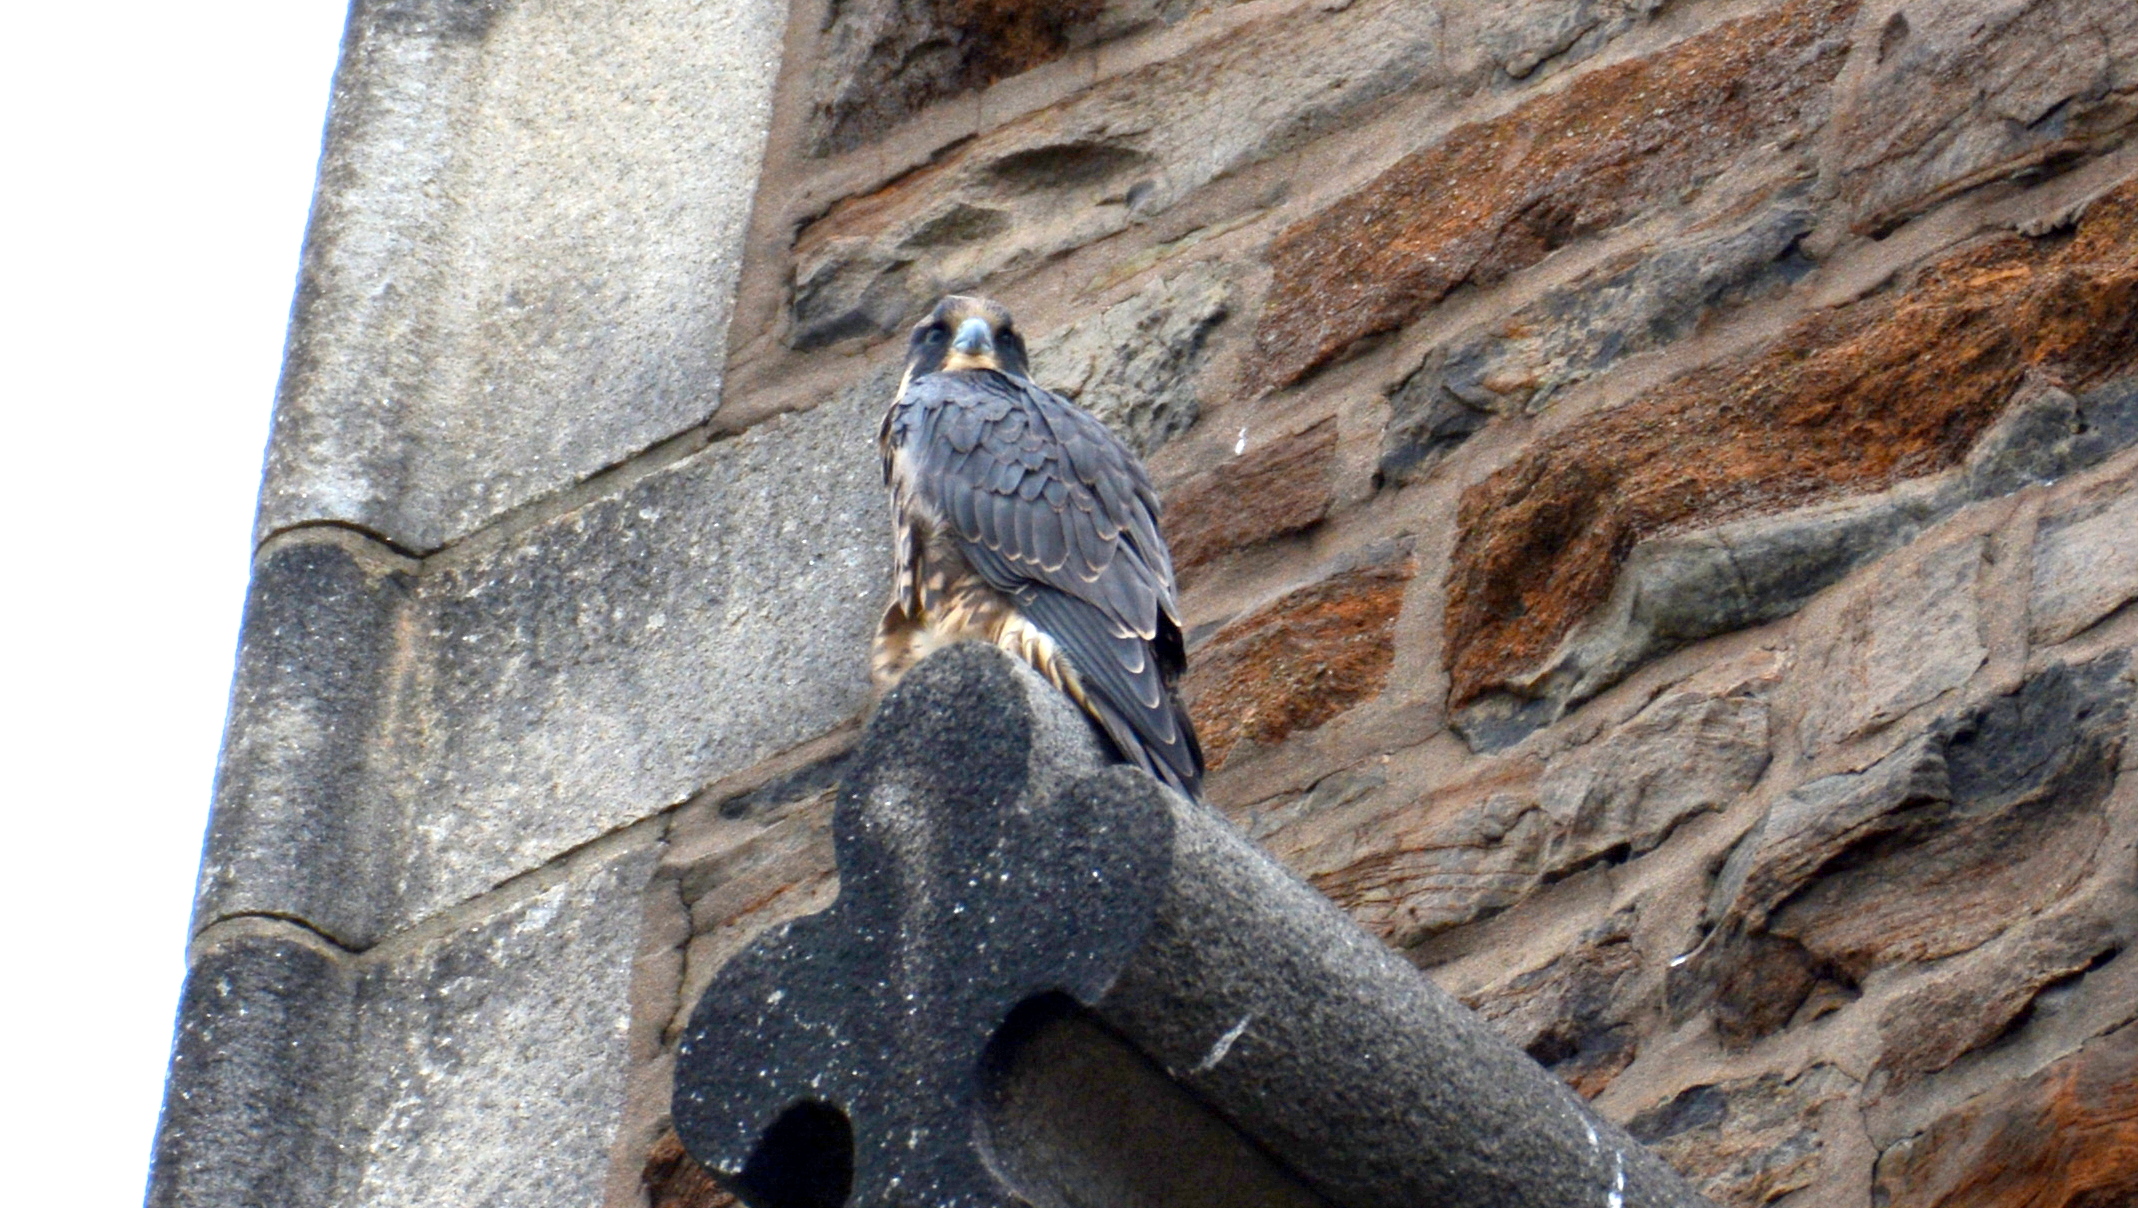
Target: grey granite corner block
x=252, y=1105
x=291, y=832
x=522, y=255
x=611, y=662
x=482, y=1064
x=1045, y=984
x=493, y=1057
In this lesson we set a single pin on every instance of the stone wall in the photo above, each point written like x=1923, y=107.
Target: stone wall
x=1654, y=485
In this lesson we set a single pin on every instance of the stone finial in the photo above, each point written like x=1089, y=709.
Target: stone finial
x=1050, y=982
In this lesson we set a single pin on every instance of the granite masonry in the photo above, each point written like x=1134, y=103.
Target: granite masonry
x=1655, y=483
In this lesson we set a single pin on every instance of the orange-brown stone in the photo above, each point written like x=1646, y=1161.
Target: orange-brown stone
x=1299, y=662
x=674, y=1179
x=2065, y=1138
x=1495, y=197
x=1279, y=489
x=1894, y=387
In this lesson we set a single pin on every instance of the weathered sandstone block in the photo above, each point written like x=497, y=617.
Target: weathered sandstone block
x=1965, y=92
x=1134, y=364
x=1993, y=815
x=1748, y=1141
x=1640, y=301
x=1276, y=490
x=884, y=60
x=1498, y=196
x=1085, y=169
x=1420, y=868
x=1300, y=661
x=2064, y=1138
x=1895, y=387
x=2085, y=561
x=1573, y=1014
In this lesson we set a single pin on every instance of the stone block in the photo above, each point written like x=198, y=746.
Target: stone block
x=1902, y=639
x=885, y=60
x=1574, y=1013
x=1747, y=1141
x=493, y=1057
x=1134, y=364
x=1992, y=816
x=1678, y=588
x=1481, y=847
x=1122, y=151
x=1300, y=661
x=297, y=796
x=1987, y=993
x=1639, y=301
x=1281, y=488
x=2085, y=562
x=2065, y=1137
x=523, y=253
x=1961, y=94
x=611, y=662
x=1616, y=143
x=1894, y=388
x=259, y=1070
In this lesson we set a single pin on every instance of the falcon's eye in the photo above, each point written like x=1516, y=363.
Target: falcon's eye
x=935, y=335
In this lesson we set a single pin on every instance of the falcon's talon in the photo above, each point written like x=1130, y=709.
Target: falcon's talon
x=1022, y=521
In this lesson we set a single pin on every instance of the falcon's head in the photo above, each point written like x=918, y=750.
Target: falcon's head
x=966, y=333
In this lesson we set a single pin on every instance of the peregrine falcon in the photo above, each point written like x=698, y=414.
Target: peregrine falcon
x=1019, y=519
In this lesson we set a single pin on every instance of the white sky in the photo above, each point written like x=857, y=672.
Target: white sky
x=155, y=175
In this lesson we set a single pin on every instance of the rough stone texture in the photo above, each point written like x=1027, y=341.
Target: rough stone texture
x=1485, y=846
x=1134, y=364
x=1895, y=387
x=1641, y=300
x=1573, y=1015
x=1909, y=635
x=1300, y=661
x=2064, y=1138
x=673, y=1179
x=992, y=881
x=483, y=1064
x=522, y=255
x=1679, y=588
x=1979, y=999
x=616, y=659
x=884, y=60
x=2085, y=563
x=1940, y=847
x=492, y=1067
x=425, y=737
x=1087, y=168
x=1567, y=165
x=1275, y=491
x=1749, y=1141
x=293, y=832
x=1977, y=90
x=1698, y=871
x=256, y=1082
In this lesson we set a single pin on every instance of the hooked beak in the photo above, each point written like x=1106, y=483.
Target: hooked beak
x=974, y=339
